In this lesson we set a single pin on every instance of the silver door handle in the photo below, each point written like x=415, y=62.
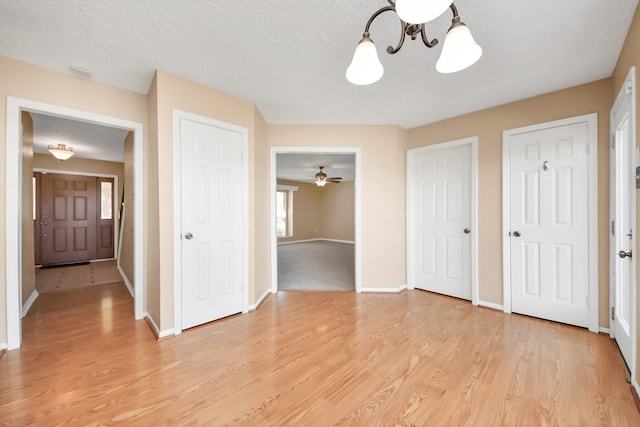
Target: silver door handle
x=188, y=236
x=623, y=254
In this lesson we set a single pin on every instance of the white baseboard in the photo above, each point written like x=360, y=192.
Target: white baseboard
x=158, y=333
x=604, y=330
x=262, y=297
x=635, y=386
x=385, y=290
x=27, y=305
x=3, y=346
x=492, y=305
x=320, y=239
x=126, y=281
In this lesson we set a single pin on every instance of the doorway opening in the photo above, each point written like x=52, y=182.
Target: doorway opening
x=315, y=236
x=14, y=202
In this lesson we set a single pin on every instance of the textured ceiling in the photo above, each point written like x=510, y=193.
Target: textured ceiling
x=89, y=141
x=289, y=57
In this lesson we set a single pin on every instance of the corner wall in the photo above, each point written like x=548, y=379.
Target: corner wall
x=488, y=125
x=38, y=84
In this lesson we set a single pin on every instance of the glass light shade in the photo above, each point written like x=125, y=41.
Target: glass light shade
x=321, y=183
x=365, y=67
x=460, y=50
x=421, y=11
x=61, y=151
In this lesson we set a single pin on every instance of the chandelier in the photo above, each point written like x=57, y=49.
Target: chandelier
x=61, y=151
x=459, y=49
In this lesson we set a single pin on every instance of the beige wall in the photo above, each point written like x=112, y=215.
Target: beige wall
x=338, y=203
x=38, y=84
x=488, y=126
x=307, y=207
x=260, y=246
x=630, y=56
x=383, y=155
x=126, y=252
x=172, y=93
x=28, y=255
x=322, y=212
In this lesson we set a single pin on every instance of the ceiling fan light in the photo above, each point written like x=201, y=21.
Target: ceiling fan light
x=61, y=151
x=459, y=50
x=365, y=67
x=421, y=11
x=320, y=182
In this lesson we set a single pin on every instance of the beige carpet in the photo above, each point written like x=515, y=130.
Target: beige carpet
x=318, y=266
x=77, y=276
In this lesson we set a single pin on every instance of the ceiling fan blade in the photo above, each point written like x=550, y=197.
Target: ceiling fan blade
x=334, y=180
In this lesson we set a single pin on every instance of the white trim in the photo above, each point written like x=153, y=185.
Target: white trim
x=3, y=345
x=491, y=305
x=13, y=205
x=592, y=183
x=126, y=281
x=635, y=385
x=385, y=290
x=156, y=330
x=179, y=115
x=633, y=149
x=266, y=293
x=472, y=142
x=357, y=152
x=282, y=187
x=603, y=330
x=29, y=302
x=348, y=242
x=116, y=231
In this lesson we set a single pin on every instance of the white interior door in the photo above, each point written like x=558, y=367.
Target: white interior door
x=212, y=252
x=441, y=221
x=549, y=223
x=623, y=220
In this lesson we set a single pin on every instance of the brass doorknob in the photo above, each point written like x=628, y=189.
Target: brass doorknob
x=467, y=231
x=623, y=254
x=516, y=233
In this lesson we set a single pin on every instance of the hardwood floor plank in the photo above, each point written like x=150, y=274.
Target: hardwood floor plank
x=314, y=358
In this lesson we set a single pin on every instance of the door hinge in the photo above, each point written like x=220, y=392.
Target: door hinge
x=613, y=228
x=613, y=313
x=613, y=141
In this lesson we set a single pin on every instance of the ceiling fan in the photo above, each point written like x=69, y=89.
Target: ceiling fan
x=322, y=178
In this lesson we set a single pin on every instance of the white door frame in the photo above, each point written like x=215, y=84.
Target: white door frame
x=472, y=142
x=13, y=208
x=357, y=207
x=177, y=209
x=592, y=193
x=635, y=155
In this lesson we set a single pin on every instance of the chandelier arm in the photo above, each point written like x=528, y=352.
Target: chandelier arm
x=376, y=14
x=390, y=49
x=425, y=40
x=454, y=9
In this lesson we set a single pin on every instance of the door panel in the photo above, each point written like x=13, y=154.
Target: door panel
x=442, y=212
x=68, y=220
x=211, y=173
x=549, y=240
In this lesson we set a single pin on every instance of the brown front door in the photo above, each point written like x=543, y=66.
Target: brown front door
x=71, y=219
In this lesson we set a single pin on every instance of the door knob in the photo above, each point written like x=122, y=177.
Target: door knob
x=467, y=231
x=188, y=236
x=623, y=254
x=516, y=233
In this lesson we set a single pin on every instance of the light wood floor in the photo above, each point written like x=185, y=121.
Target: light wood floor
x=310, y=358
